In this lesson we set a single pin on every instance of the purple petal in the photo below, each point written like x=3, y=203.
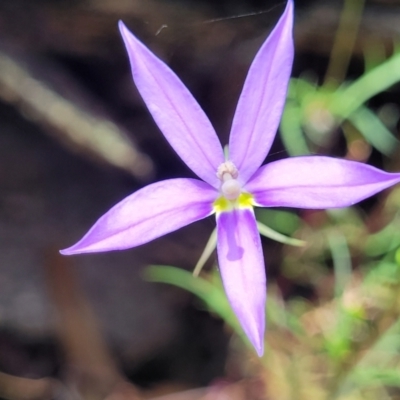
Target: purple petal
x=242, y=268
x=260, y=106
x=175, y=111
x=317, y=182
x=147, y=214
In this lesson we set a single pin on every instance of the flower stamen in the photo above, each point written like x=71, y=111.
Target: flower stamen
x=229, y=169
x=230, y=187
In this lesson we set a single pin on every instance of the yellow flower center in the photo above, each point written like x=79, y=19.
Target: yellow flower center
x=232, y=195
x=244, y=200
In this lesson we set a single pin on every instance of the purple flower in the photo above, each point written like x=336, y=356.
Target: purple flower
x=230, y=187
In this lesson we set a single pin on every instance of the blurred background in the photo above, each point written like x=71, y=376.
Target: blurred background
x=76, y=138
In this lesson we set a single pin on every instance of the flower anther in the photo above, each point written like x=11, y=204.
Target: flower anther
x=230, y=186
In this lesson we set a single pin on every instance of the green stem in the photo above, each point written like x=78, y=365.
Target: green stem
x=348, y=100
x=344, y=43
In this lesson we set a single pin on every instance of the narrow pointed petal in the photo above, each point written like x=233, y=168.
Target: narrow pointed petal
x=175, y=111
x=261, y=103
x=242, y=269
x=317, y=182
x=147, y=214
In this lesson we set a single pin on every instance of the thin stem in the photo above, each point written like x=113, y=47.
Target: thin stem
x=344, y=42
x=271, y=234
x=341, y=261
x=210, y=247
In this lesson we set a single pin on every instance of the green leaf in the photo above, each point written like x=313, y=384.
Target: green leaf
x=211, y=293
x=282, y=221
x=376, y=376
x=348, y=100
x=291, y=132
x=271, y=234
x=385, y=240
x=374, y=131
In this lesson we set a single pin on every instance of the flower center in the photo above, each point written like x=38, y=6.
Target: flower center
x=230, y=186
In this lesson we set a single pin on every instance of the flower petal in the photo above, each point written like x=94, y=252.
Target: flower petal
x=242, y=268
x=175, y=111
x=147, y=214
x=260, y=105
x=317, y=182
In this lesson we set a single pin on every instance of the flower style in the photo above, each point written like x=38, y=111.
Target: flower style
x=230, y=188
